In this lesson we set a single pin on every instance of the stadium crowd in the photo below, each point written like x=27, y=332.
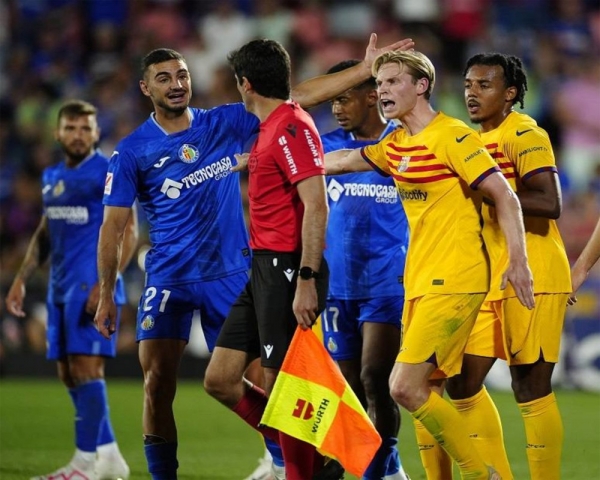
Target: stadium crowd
x=53, y=50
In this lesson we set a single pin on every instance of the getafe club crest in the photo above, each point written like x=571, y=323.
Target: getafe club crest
x=188, y=153
x=147, y=323
x=59, y=188
x=403, y=165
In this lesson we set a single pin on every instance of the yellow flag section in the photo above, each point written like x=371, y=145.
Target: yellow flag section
x=312, y=401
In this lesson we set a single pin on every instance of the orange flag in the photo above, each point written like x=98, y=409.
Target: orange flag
x=312, y=401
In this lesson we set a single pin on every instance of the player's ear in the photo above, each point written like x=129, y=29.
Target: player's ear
x=246, y=85
x=510, y=94
x=422, y=85
x=372, y=98
x=144, y=88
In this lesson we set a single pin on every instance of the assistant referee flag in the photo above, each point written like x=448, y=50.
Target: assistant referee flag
x=312, y=401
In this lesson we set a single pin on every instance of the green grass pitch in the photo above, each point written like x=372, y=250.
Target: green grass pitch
x=36, y=432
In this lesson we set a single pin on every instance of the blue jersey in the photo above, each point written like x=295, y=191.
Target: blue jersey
x=191, y=199
x=73, y=206
x=367, y=234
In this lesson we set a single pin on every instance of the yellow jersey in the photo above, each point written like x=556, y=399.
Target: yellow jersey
x=436, y=172
x=522, y=149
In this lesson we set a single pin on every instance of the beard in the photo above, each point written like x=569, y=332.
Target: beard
x=177, y=109
x=76, y=153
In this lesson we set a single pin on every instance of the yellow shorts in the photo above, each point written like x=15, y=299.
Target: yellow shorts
x=528, y=334
x=486, y=339
x=436, y=329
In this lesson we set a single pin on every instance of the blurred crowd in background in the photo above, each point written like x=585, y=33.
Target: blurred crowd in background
x=53, y=50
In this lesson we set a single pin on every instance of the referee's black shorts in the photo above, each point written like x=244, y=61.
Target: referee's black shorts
x=261, y=320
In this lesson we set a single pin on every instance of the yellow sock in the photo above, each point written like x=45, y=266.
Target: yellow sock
x=544, y=432
x=436, y=461
x=483, y=422
x=446, y=426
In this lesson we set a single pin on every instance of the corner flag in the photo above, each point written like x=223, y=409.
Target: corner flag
x=312, y=401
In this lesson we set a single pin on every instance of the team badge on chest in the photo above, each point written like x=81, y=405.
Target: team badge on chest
x=403, y=165
x=188, y=153
x=58, y=189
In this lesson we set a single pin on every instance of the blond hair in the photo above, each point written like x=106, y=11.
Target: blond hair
x=414, y=63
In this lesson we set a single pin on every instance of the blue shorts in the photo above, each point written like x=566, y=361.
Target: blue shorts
x=342, y=322
x=167, y=311
x=71, y=331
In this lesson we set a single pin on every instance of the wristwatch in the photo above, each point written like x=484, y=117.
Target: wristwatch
x=306, y=273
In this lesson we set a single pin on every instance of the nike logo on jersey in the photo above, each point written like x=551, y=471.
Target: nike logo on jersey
x=161, y=162
x=513, y=355
x=289, y=273
x=523, y=132
x=46, y=189
x=460, y=139
x=268, y=350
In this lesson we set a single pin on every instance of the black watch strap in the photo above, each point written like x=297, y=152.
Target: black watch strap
x=306, y=273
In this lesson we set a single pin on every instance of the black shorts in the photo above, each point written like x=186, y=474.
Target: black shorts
x=261, y=321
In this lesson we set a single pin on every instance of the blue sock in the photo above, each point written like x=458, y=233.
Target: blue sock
x=275, y=451
x=393, y=460
x=162, y=460
x=106, y=433
x=90, y=399
x=385, y=462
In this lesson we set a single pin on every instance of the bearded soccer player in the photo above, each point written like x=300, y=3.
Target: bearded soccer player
x=68, y=234
x=441, y=168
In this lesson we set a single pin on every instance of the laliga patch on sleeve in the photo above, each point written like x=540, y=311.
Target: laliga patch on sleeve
x=108, y=183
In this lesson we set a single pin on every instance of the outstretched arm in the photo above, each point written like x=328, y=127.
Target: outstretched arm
x=510, y=219
x=584, y=263
x=317, y=90
x=345, y=161
x=110, y=252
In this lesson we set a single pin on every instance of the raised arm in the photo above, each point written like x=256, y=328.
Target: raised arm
x=110, y=252
x=37, y=253
x=584, y=263
x=317, y=90
x=312, y=194
x=510, y=219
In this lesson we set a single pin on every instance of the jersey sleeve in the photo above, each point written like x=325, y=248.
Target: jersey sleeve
x=300, y=154
x=376, y=156
x=533, y=152
x=240, y=122
x=467, y=156
x=120, y=186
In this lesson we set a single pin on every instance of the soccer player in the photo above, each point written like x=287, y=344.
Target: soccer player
x=178, y=164
x=584, y=263
x=441, y=168
x=528, y=340
x=367, y=238
x=68, y=234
